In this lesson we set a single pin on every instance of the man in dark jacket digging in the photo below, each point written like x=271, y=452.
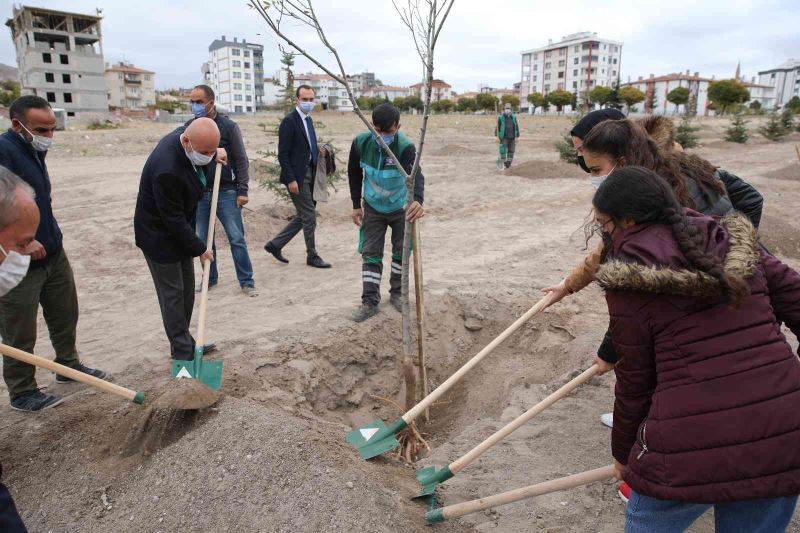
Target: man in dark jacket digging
x=172, y=184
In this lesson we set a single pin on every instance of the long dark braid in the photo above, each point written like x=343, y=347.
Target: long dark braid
x=639, y=194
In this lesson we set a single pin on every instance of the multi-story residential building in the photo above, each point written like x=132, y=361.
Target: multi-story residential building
x=440, y=90
x=130, y=87
x=784, y=83
x=60, y=57
x=656, y=89
x=361, y=82
x=386, y=91
x=578, y=63
x=235, y=71
x=329, y=93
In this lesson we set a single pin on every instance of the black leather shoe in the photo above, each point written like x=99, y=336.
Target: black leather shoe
x=317, y=262
x=270, y=248
x=209, y=348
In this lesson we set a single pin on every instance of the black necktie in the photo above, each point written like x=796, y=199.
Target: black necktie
x=312, y=140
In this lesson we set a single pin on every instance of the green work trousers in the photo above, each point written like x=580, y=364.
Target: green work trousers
x=53, y=287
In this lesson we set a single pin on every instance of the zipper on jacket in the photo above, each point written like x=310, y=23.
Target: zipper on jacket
x=642, y=433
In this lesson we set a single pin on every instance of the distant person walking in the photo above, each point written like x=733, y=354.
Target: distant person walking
x=233, y=189
x=507, y=133
x=49, y=282
x=173, y=182
x=298, y=154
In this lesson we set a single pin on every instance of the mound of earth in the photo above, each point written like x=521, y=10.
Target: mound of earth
x=789, y=172
x=452, y=150
x=538, y=170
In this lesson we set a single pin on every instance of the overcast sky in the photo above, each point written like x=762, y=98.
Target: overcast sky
x=479, y=45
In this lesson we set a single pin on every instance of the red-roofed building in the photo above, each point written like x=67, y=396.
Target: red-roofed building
x=130, y=87
x=440, y=90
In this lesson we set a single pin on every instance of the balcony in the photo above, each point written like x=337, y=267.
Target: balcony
x=132, y=81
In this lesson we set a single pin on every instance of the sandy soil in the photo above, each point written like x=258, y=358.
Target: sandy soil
x=271, y=455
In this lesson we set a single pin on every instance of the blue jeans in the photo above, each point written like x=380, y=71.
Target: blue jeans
x=649, y=515
x=231, y=218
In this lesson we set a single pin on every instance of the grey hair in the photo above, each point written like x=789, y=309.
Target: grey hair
x=9, y=183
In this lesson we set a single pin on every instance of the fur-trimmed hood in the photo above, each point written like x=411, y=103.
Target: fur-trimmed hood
x=661, y=129
x=649, y=260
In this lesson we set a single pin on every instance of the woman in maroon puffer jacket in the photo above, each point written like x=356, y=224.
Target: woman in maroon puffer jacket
x=707, y=407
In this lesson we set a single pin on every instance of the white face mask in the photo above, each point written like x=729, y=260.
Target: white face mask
x=196, y=157
x=598, y=180
x=12, y=270
x=39, y=143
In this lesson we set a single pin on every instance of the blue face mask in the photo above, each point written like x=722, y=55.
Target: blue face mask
x=306, y=107
x=199, y=110
x=388, y=138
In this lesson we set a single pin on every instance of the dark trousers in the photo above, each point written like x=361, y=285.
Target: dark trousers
x=306, y=218
x=510, y=146
x=10, y=521
x=53, y=287
x=372, y=237
x=174, y=284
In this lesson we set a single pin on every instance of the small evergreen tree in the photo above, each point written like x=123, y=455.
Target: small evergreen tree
x=787, y=119
x=686, y=134
x=773, y=129
x=565, y=148
x=287, y=95
x=737, y=132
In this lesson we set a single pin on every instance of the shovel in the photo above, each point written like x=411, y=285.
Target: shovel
x=376, y=438
x=41, y=362
x=554, y=485
x=423, y=371
x=429, y=478
x=207, y=372
x=501, y=158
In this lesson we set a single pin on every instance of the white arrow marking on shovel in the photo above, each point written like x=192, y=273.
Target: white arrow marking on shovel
x=183, y=374
x=368, y=433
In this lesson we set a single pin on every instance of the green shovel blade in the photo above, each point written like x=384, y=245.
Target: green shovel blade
x=209, y=373
x=430, y=479
x=375, y=438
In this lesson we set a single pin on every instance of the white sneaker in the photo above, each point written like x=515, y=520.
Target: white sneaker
x=607, y=419
x=250, y=291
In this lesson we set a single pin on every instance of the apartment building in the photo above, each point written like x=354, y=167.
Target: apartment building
x=783, y=81
x=60, y=58
x=578, y=63
x=440, y=90
x=130, y=87
x=235, y=70
x=386, y=91
x=361, y=82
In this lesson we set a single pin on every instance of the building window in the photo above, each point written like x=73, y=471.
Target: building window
x=615, y=60
x=248, y=98
x=575, y=72
x=237, y=63
x=535, y=67
x=49, y=77
x=562, y=63
x=237, y=97
x=535, y=78
x=575, y=61
x=147, y=77
x=51, y=97
x=246, y=64
x=546, y=87
x=247, y=53
x=236, y=52
x=536, y=56
x=561, y=75
x=249, y=109
x=70, y=113
x=560, y=85
x=47, y=58
x=613, y=72
x=577, y=48
x=574, y=84
x=64, y=58
x=547, y=76
x=248, y=87
x=547, y=65
x=562, y=52
x=247, y=75
x=237, y=75
x=68, y=98
x=237, y=109
x=237, y=86
x=66, y=78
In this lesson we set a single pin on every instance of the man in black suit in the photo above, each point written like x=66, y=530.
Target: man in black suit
x=172, y=184
x=297, y=155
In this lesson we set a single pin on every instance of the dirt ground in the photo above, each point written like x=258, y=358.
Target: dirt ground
x=271, y=456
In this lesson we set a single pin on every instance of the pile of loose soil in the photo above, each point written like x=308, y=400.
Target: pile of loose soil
x=538, y=170
x=789, y=172
x=452, y=150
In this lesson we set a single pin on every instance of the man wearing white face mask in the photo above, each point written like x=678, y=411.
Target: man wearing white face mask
x=172, y=184
x=49, y=282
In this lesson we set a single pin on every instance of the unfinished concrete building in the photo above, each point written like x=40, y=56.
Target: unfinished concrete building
x=60, y=58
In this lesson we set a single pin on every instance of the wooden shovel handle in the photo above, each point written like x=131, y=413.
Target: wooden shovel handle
x=522, y=419
x=201, y=319
x=426, y=402
x=35, y=360
x=554, y=485
x=418, y=286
